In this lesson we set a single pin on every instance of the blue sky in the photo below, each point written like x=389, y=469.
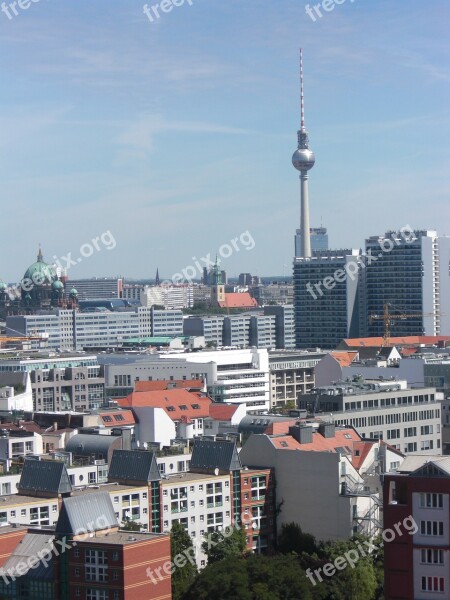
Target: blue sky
x=176, y=136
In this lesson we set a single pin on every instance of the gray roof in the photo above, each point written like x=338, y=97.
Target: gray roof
x=259, y=423
x=86, y=513
x=46, y=476
x=133, y=465
x=416, y=464
x=30, y=546
x=85, y=444
x=210, y=455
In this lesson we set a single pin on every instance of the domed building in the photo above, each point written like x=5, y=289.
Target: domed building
x=37, y=284
x=39, y=288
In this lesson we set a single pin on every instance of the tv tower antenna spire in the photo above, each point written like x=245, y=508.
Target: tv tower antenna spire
x=303, y=160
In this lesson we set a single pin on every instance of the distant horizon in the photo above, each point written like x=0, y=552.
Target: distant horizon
x=178, y=134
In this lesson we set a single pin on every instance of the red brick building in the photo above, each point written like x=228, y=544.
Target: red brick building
x=417, y=563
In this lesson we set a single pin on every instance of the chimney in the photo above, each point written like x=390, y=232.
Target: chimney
x=55, y=426
x=328, y=430
x=303, y=435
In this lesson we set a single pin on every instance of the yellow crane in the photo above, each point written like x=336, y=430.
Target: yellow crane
x=388, y=318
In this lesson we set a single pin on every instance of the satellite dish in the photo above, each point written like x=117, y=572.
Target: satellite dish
x=216, y=471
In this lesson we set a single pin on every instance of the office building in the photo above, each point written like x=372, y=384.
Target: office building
x=96, y=287
x=231, y=376
x=318, y=237
x=73, y=330
x=409, y=419
x=409, y=270
x=326, y=298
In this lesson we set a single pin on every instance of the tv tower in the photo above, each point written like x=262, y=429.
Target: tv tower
x=303, y=160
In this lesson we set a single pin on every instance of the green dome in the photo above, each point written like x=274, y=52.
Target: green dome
x=58, y=285
x=40, y=273
x=73, y=292
x=3, y=286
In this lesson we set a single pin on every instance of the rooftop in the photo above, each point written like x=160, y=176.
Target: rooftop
x=343, y=440
x=175, y=402
x=123, y=538
x=184, y=477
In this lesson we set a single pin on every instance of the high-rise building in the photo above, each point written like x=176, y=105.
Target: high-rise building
x=97, y=287
x=326, y=298
x=318, y=237
x=409, y=270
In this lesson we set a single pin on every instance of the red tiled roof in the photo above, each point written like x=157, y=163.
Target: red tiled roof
x=364, y=449
x=280, y=427
x=222, y=412
x=117, y=418
x=164, y=384
x=408, y=351
x=176, y=402
x=29, y=426
x=344, y=358
x=319, y=443
x=238, y=300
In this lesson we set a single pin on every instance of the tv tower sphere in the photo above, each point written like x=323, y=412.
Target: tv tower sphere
x=303, y=159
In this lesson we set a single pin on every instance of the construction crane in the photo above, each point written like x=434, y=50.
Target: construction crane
x=388, y=318
x=5, y=340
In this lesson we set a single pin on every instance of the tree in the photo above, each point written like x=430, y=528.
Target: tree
x=292, y=539
x=219, y=545
x=181, y=546
x=357, y=583
x=252, y=578
x=129, y=525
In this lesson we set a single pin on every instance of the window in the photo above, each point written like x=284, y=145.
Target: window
x=76, y=553
x=431, y=500
x=76, y=571
x=23, y=512
x=433, y=584
x=435, y=528
x=77, y=592
x=116, y=499
x=115, y=555
x=115, y=575
x=54, y=508
x=13, y=513
x=432, y=556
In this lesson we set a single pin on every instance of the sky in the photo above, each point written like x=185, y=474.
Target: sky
x=166, y=140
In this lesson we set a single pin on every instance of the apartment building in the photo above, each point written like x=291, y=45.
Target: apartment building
x=418, y=565
x=291, y=374
x=66, y=381
x=84, y=555
x=407, y=418
x=319, y=478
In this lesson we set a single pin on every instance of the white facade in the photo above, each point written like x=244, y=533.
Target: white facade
x=10, y=400
x=202, y=503
x=310, y=483
x=237, y=376
x=12, y=447
x=74, y=330
x=430, y=561
x=169, y=296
